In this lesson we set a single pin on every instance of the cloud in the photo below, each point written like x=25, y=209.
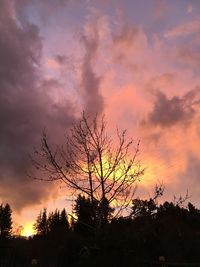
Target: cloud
x=189, y=8
x=90, y=82
x=128, y=40
x=128, y=46
x=45, y=9
x=126, y=37
x=160, y=8
x=61, y=59
x=191, y=174
x=171, y=111
x=186, y=179
x=188, y=56
x=112, y=70
x=171, y=142
x=187, y=28
x=28, y=103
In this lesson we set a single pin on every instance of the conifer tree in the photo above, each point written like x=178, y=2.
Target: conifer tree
x=64, y=223
x=86, y=214
x=41, y=225
x=54, y=221
x=5, y=221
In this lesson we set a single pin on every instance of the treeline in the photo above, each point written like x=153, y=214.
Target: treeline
x=54, y=223
x=149, y=231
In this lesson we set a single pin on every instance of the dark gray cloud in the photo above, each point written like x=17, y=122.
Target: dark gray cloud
x=90, y=82
x=170, y=111
x=26, y=108
x=29, y=103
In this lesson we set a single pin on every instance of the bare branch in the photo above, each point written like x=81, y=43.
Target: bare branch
x=89, y=163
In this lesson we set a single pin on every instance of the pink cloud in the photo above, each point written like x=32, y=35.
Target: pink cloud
x=186, y=28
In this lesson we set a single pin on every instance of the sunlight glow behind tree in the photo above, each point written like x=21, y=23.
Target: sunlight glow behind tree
x=27, y=230
x=91, y=164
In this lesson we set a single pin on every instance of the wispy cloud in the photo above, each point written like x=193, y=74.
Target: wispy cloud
x=186, y=28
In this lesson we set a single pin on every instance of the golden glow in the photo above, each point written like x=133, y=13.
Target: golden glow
x=27, y=230
x=117, y=172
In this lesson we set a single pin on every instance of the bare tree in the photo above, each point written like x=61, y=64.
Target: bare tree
x=90, y=163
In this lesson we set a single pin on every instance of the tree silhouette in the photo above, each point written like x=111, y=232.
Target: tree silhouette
x=64, y=223
x=170, y=230
x=142, y=208
x=147, y=207
x=86, y=214
x=56, y=223
x=5, y=221
x=89, y=163
x=41, y=224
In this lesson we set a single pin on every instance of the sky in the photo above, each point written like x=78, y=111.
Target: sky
x=137, y=62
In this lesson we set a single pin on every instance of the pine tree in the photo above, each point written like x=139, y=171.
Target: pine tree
x=5, y=221
x=86, y=213
x=64, y=223
x=53, y=221
x=41, y=225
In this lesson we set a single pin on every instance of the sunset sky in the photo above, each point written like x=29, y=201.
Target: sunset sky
x=137, y=62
